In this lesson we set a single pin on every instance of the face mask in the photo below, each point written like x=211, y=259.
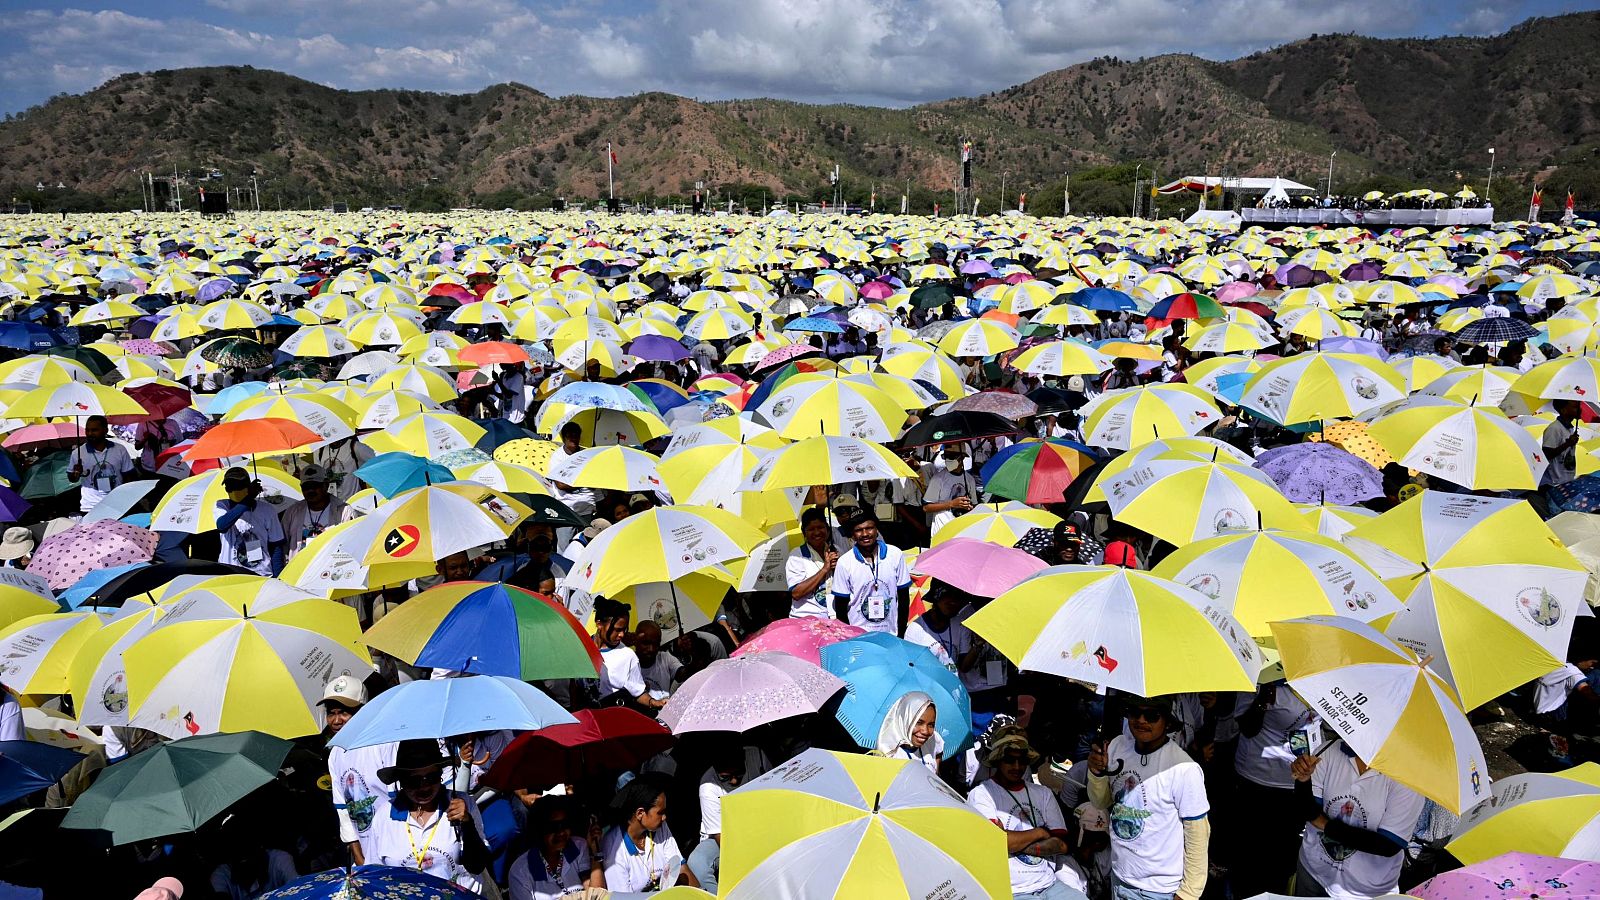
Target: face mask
x=954, y=465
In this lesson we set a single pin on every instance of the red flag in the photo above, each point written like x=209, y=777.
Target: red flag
x=611, y=153
x=1569, y=200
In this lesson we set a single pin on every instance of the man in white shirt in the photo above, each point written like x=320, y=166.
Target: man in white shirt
x=1156, y=795
x=949, y=641
x=580, y=500
x=97, y=465
x=359, y=797
x=810, y=568
x=1028, y=813
x=726, y=773
x=1359, y=822
x=1560, y=441
x=952, y=488
x=318, y=511
x=871, y=583
x=656, y=665
x=251, y=534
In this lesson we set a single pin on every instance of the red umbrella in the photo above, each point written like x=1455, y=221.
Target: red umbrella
x=603, y=741
x=161, y=400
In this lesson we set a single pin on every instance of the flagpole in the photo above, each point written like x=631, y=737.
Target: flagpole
x=611, y=186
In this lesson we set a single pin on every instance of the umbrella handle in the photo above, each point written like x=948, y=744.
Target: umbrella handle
x=1113, y=771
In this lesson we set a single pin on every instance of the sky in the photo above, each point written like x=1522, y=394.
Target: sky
x=879, y=52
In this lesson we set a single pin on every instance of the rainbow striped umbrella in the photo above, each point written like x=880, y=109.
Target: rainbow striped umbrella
x=488, y=629
x=1035, y=471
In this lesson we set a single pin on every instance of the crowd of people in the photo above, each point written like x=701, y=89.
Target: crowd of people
x=1113, y=796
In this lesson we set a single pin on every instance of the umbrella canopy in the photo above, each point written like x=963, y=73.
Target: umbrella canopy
x=395, y=472
x=978, y=567
x=1520, y=875
x=27, y=767
x=602, y=741
x=802, y=637
x=662, y=544
x=1128, y=417
x=248, y=437
x=64, y=558
x=1490, y=592
x=447, y=707
x=370, y=882
x=1386, y=704
x=1319, y=472
x=487, y=628
x=1475, y=447
x=955, y=426
x=832, y=825
x=1181, y=500
x=1314, y=386
x=1120, y=628
x=739, y=693
x=879, y=669
x=1035, y=471
x=176, y=788
x=1551, y=814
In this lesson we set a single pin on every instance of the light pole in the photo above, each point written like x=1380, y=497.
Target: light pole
x=1490, y=183
x=1136, y=170
x=1329, y=191
x=1002, y=204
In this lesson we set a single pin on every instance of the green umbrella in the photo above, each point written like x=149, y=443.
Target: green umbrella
x=233, y=351
x=93, y=360
x=48, y=476
x=931, y=295
x=175, y=788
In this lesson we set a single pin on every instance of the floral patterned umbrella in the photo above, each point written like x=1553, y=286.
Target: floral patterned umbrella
x=66, y=557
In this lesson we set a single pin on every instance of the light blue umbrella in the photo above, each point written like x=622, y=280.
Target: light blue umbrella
x=880, y=669
x=447, y=707
x=396, y=471
x=233, y=395
x=814, y=323
x=122, y=498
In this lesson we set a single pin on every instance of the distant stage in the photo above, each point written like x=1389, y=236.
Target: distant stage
x=1371, y=218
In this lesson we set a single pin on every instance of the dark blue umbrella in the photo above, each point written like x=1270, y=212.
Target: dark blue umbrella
x=1577, y=495
x=497, y=432
x=1104, y=299
x=29, y=766
x=1495, y=330
x=370, y=883
x=27, y=336
x=12, y=506
x=391, y=473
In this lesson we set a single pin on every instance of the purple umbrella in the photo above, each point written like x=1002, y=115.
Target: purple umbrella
x=1293, y=275
x=213, y=289
x=1342, y=344
x=1362, y=271
x=66, y=557
x=1315, y=472
x=739, y=693
x=658, y=348
x=976, y=267
x=12, y=506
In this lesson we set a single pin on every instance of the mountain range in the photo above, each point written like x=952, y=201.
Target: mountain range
x=1408, y=111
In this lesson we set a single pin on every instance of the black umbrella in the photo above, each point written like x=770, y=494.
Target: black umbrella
x=239, y=352
x=1495, y=330
x=147, y=579
x=962, y=425
x=93, y=360
x=551, y=511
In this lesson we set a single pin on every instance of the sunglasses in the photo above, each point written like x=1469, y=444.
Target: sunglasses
x=1146, y=714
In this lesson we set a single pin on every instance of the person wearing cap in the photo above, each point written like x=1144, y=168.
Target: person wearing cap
x=1358, y=824
x=428, y=829
x=1088, y=867
x=1156, y=796
x=16, y=549
x=596, y=527
x=359, y=797
x=952, y=488
x=97, y=465
x=810, y=568
x=318, y=511
x=1028, y=813
x=252, y=536
x=871, y=583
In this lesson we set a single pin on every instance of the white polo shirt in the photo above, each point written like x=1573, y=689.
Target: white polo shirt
x=103, y=471
x=429, y=846
x=1152, y=797
x=1264, y=757
x=1032, y=807
x=944, y=486
x=1367, y=800
x=630, y=867
x=247, y=542
x=619, y=671
x=947, y=646
x=359, y=797
x=871, y=586
x=803, y=564
x=531, y=878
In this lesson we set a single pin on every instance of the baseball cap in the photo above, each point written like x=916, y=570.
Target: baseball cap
x=235, y=477
x=347, y=689
x=315, y=473
x=1092, y=818
x=1067, y=532
x=596, y=525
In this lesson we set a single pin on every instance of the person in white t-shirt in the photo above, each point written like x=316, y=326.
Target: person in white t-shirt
x=1036, y=831
x=657, y=667
x=97, y=465
x=640, y=853
x=871, y=583
x=1156, y=795
x=359, y=796
x=1359, y=822
x=428, y=829
x=619, y=671
x=1263, y=839
x=810, y=568
x=952, y=488
x=250, y=531
x=950, y=642
x=1559, y=442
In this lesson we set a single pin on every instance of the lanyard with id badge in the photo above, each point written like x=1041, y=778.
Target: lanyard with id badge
x=101, y=477
x=873, y=604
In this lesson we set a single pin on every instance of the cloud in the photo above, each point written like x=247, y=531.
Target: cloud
x=892, y=52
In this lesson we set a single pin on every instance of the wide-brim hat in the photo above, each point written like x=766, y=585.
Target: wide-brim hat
x=417, y=756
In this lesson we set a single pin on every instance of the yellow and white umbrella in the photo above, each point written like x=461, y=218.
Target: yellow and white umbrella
x=318, y=341
x=1549, y=287
x=824, y=460
x=190, y=506
x=1421, y=371
x=1387, y=705
x=1228, y=337
x=833, y=826
x=428, y=434
x=97, y=677
x=1183, y=500
x=1476, y=447
x=380, y=328
x=227, y=315
x=1543, y=813
x=1119, y=628
x=660, y=545
x=106, y=311
x=35, y=652
x=505, y=477
x=483, y=312
x=1318, y=386
x=810, y=406
x=74, y=399
x=1477, y=385
x=210, y=666
x=612, y=468
x=1490, y=592
x=1061, y=358
x=330, y=419
x=922, y=363
x=1563, y=378
x=380, y=408
x=979, y=337
x=1334, y=521
x=1314, y=323
x=45, y=370
x=608, y=426
x=998, y=523
x=719, y=324
x=417, y=379
x=1267, y=576
x=1128, y=417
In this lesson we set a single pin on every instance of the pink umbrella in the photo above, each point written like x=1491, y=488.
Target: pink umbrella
x=147, y=348
x=739, y=694
x=803, y=638
x=782, y=355
x=1515, y=876
x=978, y=567
x=52, y=434
x=1236, y=290
x=877, y=290
x=66, y=557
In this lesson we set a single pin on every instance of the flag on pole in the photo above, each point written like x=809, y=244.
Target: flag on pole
x=611, y=153
x=1022, y=202
x=966, y=151
x=1535, y=204
x=1569, y=200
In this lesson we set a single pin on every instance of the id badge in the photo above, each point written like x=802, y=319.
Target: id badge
x=884, y=511
x=875, y=608
x=253, y=553
x=994, y=672
x=103, y=483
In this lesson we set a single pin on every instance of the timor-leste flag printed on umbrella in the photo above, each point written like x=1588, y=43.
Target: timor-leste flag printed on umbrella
x=835, y=825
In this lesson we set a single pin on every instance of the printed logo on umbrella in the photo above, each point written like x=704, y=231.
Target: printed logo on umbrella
x=401, y=541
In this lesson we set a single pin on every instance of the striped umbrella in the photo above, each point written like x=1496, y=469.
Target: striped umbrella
x=487, y=629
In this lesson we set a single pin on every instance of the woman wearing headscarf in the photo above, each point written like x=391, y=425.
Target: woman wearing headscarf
x=908, y=731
